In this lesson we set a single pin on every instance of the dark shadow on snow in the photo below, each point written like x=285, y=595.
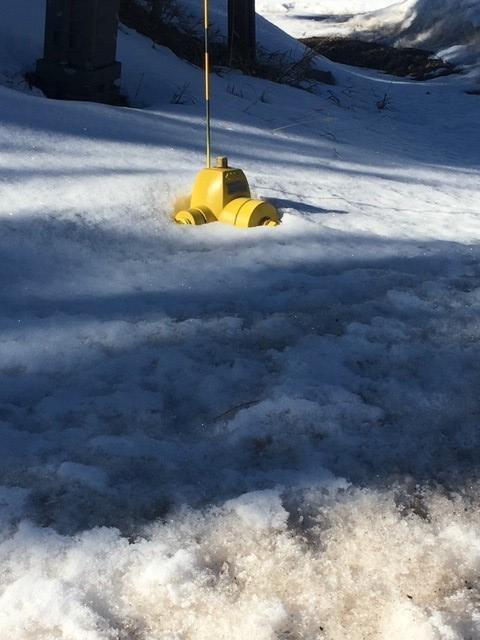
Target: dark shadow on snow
x=156, y=408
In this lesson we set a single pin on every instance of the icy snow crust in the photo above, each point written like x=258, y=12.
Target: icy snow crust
x=216, y=433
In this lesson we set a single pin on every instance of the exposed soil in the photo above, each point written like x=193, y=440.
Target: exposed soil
x=416, y=63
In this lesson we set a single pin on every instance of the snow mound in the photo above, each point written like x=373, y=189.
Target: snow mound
x=451, y=28
x=349, y=561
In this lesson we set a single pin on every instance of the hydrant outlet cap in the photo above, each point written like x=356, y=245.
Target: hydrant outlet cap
x=222, y=162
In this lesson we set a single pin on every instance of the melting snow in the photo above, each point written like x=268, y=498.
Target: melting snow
x=217, y=433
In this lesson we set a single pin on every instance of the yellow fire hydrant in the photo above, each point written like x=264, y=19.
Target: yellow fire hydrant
x=222, y=194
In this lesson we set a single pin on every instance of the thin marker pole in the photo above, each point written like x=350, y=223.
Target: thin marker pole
x=207, y=85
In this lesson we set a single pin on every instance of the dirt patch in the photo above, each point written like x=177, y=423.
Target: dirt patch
x=416, y=63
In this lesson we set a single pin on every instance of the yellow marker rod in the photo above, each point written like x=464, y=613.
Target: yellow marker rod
x=207, y=84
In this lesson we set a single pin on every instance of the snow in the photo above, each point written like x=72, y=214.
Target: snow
x=92, y=477
x=450, y=28
x=222, y=433
x=260, y=510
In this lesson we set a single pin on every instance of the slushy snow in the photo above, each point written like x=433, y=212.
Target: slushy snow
x=267, y=434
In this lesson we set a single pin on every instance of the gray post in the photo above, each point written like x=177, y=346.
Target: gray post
x=79, y=52
x=242, y=41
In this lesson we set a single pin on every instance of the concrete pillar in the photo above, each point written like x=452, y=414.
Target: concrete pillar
x=242, y=41
x=80, y=49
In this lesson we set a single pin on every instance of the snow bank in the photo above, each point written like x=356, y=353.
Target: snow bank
x=429, y=23
x=451, y=28
x=350, y=563
x=425, y=23
x=324, y=9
